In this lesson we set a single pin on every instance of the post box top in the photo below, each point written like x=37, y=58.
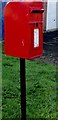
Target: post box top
x=30, y=3
x=26, y=1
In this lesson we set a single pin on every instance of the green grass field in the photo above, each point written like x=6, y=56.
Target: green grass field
x=40, y=89
x=0, y=80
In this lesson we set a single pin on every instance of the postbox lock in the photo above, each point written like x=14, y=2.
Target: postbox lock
x=37, y=24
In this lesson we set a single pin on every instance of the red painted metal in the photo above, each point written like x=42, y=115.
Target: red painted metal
x=20, y=21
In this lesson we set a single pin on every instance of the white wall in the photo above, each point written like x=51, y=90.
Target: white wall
x=51, y=15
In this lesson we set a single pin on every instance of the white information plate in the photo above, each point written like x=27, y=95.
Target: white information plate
x=36, y=38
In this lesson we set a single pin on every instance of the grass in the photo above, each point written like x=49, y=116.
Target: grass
x=40, y=89
x=0, y=81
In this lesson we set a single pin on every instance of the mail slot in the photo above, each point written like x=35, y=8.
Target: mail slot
x=23, y=27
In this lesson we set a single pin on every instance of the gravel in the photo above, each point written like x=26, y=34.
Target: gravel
x=50, y=57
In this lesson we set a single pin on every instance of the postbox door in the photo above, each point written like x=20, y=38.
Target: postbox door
x=36, y=30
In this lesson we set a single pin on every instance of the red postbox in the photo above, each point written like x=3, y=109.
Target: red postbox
x=23, y=26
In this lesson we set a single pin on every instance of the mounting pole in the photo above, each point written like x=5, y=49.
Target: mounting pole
x=23, y=89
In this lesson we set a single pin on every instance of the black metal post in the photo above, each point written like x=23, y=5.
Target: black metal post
x=23, y=89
